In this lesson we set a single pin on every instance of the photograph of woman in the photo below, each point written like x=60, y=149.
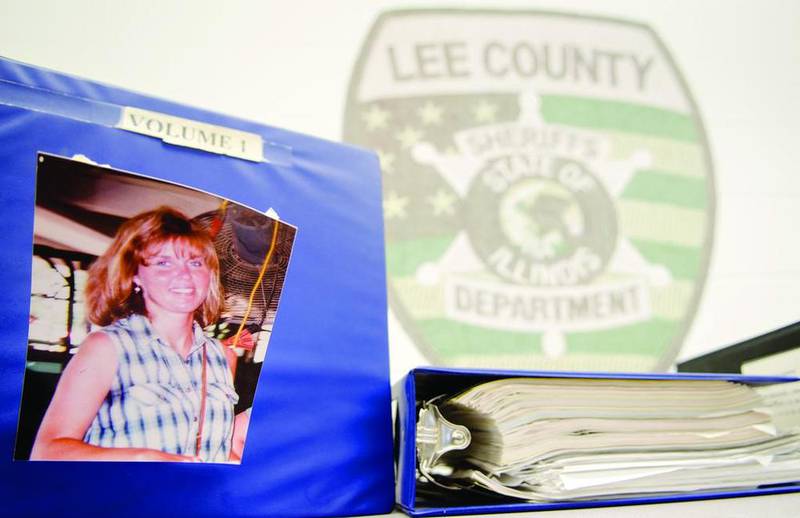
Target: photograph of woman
x=148, y=384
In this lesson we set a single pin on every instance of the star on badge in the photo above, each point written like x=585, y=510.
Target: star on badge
x=375, y=118
x=430, y=113
x=394, y=206
x=387, y=161
x=409, y=136
x=442, y=203
x=485, y=111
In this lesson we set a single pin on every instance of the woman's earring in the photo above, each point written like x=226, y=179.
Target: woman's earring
x=137, y=289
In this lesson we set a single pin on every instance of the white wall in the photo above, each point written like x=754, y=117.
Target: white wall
x=288, y=64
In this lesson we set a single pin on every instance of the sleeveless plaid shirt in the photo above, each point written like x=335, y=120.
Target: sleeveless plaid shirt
x=154, y=401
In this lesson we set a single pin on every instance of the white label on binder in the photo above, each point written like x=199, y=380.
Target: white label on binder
x=193, y=134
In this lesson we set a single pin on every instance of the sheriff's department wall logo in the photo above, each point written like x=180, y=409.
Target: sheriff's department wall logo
x=548, y=195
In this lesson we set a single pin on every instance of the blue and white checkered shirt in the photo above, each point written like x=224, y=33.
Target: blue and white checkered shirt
x=154, y=401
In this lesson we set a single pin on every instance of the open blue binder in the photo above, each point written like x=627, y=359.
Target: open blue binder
x=319, y=441
x=424, y=384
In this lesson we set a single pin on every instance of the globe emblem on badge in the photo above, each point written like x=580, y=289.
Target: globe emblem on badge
x=551, y=224
x=542, y=219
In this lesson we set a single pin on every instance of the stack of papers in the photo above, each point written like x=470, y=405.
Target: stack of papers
x=543, y=439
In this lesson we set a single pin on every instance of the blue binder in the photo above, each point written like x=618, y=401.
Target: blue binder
x=423, y=384
x=319, y=442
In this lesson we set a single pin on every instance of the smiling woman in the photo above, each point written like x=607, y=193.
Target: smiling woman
x=149, y=384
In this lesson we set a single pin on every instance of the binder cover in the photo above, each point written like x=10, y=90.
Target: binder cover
x=319, y=441
x=734, y=358
x=423, y=384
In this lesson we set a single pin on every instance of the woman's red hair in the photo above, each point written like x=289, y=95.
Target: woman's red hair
x=109, y=289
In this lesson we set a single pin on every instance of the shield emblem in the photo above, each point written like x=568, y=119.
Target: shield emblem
x=548, y=190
